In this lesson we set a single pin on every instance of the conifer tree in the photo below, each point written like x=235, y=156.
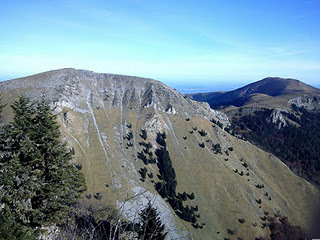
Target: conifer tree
x=38, y=184
x=62, y=182
x=151, y=227
x=18, y=181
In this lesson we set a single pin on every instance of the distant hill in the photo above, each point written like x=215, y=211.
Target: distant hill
x=264, y=91
x=204, y=97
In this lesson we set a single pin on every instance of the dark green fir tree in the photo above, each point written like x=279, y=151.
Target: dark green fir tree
x=38, y=184
x=151, y=225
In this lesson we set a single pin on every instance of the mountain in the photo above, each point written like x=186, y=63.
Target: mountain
x=203, y=97
x=280, y=116
x=266, y=92
x=108, y=120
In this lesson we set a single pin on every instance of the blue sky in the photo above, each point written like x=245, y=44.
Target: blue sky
x=207, y=43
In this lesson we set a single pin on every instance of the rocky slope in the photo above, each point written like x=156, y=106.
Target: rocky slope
x=101, y=117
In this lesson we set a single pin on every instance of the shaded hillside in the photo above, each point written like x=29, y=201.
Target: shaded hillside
x=137, y=140
x=203, y=97
x=272, y=87
x=297, y=145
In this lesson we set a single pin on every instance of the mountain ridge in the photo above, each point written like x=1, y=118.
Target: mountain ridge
x=102, y=116
x=273, y=87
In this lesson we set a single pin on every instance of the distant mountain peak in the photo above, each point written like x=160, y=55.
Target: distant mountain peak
x=267, y=87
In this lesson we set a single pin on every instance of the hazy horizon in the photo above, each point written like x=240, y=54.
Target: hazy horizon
x=204, y=41
x=191, y=86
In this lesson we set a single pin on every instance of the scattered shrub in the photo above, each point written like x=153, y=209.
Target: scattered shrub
x=264, y=218
x=143, y=172
x=129, y=136
x=213, y=121
x=98, y=196
x=242, y=220
x=143, y=134
x=216, y=148
x=78, y=166
x=191, y=196
x=202, y=133
x=231, y=232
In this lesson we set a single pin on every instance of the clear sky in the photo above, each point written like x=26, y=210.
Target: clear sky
x=201, y=42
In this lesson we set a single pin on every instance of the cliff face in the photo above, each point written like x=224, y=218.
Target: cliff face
x=309, y=102
x=101, y=117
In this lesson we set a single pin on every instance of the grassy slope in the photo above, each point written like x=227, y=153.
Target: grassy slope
x=222, y=195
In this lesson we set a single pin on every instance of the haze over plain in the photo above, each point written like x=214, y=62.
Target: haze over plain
x=219, y=45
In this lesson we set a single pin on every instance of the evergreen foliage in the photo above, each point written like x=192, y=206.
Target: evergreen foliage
x=201, y=145
x=143, y=134
x=167, y=171
x=38, y=183
x=98, y=196
x=184, y=196
x=202, y=133
x=216, y=148
x=151, y=225
x=141, y=155
x=129, y=136
x=161, y=139
x=143, y=173
x=191, y=196
x=295, y=146
x=259, y=185
x=220, y=125
x=167, y=186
